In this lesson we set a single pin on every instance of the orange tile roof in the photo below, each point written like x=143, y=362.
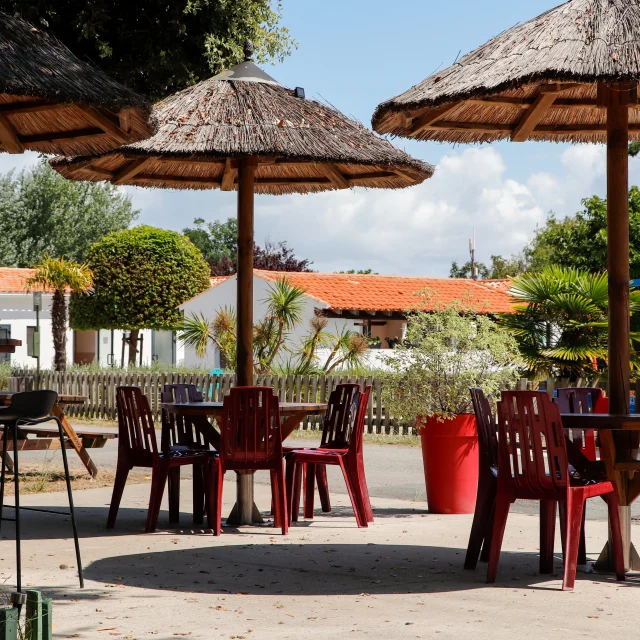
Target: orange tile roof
x=395, y=293
x=12, y=279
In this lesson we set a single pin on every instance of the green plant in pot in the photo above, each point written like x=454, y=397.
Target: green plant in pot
x=446, y=352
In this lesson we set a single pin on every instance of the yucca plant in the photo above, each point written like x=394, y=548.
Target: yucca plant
x=561, y=322
x=60, y=277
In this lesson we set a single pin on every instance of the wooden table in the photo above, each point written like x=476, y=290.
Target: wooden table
x=245, y=510
x=621, y=470
x=47, y=437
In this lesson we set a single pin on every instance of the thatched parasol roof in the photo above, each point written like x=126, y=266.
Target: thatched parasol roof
x=301, y=145
x=54, y=103
x=538, y=81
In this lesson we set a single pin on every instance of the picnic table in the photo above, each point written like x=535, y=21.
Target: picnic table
x=46, y=437
x=621, y=471
x=245, y=511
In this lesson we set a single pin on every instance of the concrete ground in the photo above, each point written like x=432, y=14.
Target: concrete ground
x=401, y=577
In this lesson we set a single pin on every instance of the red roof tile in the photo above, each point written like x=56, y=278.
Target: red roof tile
x=395, y=293
x=12, y=279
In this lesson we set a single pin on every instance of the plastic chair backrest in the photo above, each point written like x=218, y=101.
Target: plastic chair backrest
x=32, y=404
x=487, y=432
x=136, y=432
x=183, y=393
x=250, y=435
x=357, y=431
x=531, y=446
x=581, y=400
x=340, y=416
x=190, y=432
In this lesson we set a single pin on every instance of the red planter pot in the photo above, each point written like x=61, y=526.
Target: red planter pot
x=450, y=457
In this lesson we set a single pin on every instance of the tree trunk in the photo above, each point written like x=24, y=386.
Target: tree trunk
x=59, y=330
x=133, y=346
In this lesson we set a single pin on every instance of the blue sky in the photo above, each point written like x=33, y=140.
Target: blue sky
x=354, y=54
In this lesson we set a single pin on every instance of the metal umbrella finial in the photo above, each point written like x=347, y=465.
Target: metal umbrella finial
x=248, y=51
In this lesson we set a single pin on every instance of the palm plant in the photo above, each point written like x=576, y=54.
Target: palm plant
x=61, y=277
x=561, y=322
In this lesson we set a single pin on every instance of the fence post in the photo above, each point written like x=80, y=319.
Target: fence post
x=33, y=615
x=9, y=624
x=47, y=619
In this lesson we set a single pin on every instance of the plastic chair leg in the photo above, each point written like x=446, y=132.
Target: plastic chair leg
x=486, y=545
x=365, y=489
x=122, y=472
x=293, y=480
x=216, y=498
x=198, y=493
x=616, y=535
x=309, y=485
x=503, y=503
x=356, y=488
x=547, y=535
x=275, y=500
x=575, y=507
x=482, y=522
x=280, y=496
x=158, y=481
x=360, y=520
x=72, y=510
x=173, y=490
x=323, y=487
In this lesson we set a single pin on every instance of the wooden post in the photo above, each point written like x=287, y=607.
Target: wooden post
x=618, y=246
x=244, y=356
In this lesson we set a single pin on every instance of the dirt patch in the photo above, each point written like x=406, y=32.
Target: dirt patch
x=37, y=480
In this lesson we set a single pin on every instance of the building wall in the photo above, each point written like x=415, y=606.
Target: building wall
x=224, y=295
x=16, y=310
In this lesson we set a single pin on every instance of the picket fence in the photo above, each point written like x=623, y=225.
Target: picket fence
x=100, y=389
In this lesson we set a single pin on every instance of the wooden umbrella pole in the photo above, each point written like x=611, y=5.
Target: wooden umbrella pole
x=244, y=511
x=244, y=356
x=618, y=246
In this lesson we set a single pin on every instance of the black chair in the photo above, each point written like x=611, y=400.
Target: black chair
x=30, y=408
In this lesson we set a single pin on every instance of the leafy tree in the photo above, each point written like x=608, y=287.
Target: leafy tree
x=158, y=47
x=444, y=354
x=580, y=241
x=60, y=276
x=271, y=351
x=634, y=148
x=141, y=275
x=500, y=268
x=359, y=272
x=218, y=242
x=561, y=322
x=45, y=215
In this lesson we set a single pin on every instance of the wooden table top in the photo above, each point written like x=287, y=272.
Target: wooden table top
x=601, y=421
x=215, y=408
x=63, y=398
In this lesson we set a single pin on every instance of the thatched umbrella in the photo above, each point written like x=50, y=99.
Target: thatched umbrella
x=50, y=101
x=570, y=75
x=241, y=130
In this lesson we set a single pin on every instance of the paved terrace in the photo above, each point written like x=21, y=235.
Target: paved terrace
x=401, y=578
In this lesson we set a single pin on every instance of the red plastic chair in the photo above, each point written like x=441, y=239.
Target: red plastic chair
x=251, y=440
x=480, y=538
x=180, y=434
x=347, y=454
x=137, y=447
x=533, y=465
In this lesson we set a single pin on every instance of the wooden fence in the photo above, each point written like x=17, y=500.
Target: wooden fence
x=100, y=388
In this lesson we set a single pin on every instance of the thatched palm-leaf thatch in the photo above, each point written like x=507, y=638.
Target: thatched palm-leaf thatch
x=300, y=145
x=51, y=101
x=538, y=81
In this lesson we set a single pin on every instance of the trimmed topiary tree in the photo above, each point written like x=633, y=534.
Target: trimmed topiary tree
x=141, y=275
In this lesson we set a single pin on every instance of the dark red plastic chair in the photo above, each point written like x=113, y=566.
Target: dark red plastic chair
x=533, y=465
x=137, y=447
x=480, y=538
x=251, y=440
x=581, y=400
x=181, y=435
x=346, y=434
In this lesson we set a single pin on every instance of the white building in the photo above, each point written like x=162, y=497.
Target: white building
x=18, y=321
x=374, y=305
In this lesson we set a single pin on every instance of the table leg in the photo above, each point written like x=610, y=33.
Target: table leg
x=245, y=510
x=76, y=442
x=631, y=558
